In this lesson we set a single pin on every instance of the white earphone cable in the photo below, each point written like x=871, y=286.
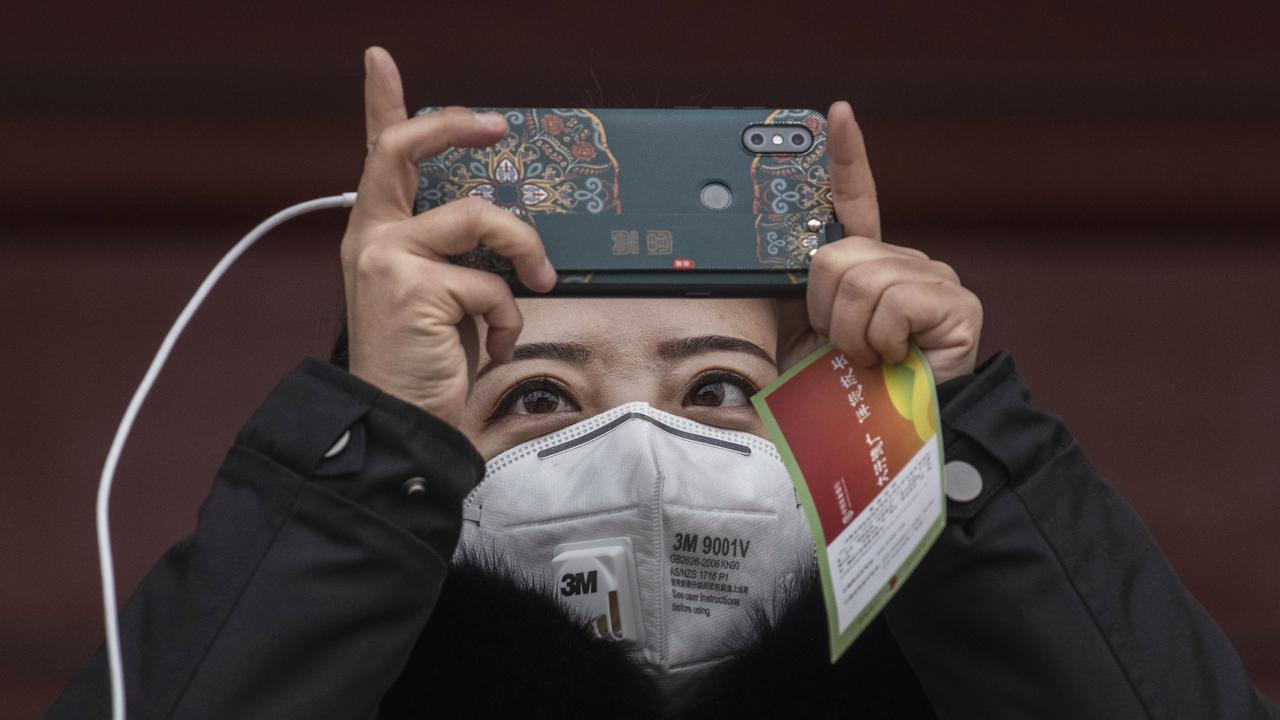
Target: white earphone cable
x=105, y=560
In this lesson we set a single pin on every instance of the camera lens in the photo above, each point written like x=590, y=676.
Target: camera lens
x=798, y=139
x=756, y=139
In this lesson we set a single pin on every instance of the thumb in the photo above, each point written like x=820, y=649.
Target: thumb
x=383, y=94
x=796, y=338
x=853, y=191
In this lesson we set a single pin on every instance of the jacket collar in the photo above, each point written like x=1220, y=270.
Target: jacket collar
x=498, y=646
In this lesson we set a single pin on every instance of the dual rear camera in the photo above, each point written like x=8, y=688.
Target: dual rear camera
x=777, y=138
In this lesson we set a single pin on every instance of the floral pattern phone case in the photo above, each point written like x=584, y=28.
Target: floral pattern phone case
x=619, y=197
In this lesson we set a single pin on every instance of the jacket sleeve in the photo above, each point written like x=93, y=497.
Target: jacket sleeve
x=1046, y=596
x=317, y=558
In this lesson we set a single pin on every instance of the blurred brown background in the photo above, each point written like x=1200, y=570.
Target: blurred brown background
x=1104, y=176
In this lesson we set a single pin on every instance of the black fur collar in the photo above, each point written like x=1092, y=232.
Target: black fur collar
x=497, y=647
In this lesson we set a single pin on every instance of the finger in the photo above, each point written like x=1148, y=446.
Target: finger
x=795, y=338
x=832, y=262
x=458, y=226
x=939, y=317
x=476, y=293
x=861, y=292
x=383, y=94
x=390, y=178
x=852, y=188
x=793, y=322
x=469, y=335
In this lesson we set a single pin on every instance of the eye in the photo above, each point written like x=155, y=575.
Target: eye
x=721, y=389
x=539, y=396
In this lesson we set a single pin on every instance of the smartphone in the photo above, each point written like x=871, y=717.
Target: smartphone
x=724, y=202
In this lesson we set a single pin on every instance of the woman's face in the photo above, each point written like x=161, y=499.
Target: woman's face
x=702, y=359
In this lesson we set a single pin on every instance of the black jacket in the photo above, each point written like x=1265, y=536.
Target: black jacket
x=316, y=588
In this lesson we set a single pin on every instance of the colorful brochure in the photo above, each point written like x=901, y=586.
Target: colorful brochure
x=864, y=450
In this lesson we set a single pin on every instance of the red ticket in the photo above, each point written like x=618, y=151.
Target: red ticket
x=863, y=449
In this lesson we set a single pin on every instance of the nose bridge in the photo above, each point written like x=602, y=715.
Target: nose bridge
x=597, y=428
x=632, y=378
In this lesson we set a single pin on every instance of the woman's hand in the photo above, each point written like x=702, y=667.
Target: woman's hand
x=409, y=312
x=870, y=298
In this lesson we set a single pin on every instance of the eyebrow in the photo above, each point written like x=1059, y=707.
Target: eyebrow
x=697, y=345
x=670, y=350
x=563, y=351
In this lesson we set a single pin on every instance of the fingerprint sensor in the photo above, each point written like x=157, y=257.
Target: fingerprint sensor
x=716, y=196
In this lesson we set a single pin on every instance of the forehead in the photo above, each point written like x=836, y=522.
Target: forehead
x=626, y=322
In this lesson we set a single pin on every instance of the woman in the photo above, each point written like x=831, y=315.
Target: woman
x=315, y=585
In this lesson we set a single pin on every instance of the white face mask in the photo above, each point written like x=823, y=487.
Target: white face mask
x=658, y=530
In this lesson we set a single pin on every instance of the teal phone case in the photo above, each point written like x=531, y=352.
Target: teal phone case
x=615, y=195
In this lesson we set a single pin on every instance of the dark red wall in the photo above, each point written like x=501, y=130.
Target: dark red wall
x=1106, y=178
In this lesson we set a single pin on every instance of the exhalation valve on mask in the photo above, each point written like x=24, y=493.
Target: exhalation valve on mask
x=598, y=580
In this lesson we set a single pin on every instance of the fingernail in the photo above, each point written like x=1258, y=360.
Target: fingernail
x=549, y=274
x=491, y=120
x=368, y=60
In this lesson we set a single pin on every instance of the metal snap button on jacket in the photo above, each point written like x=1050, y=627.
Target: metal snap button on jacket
x=339, y=446
x=415, y=486
x=963, y=481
